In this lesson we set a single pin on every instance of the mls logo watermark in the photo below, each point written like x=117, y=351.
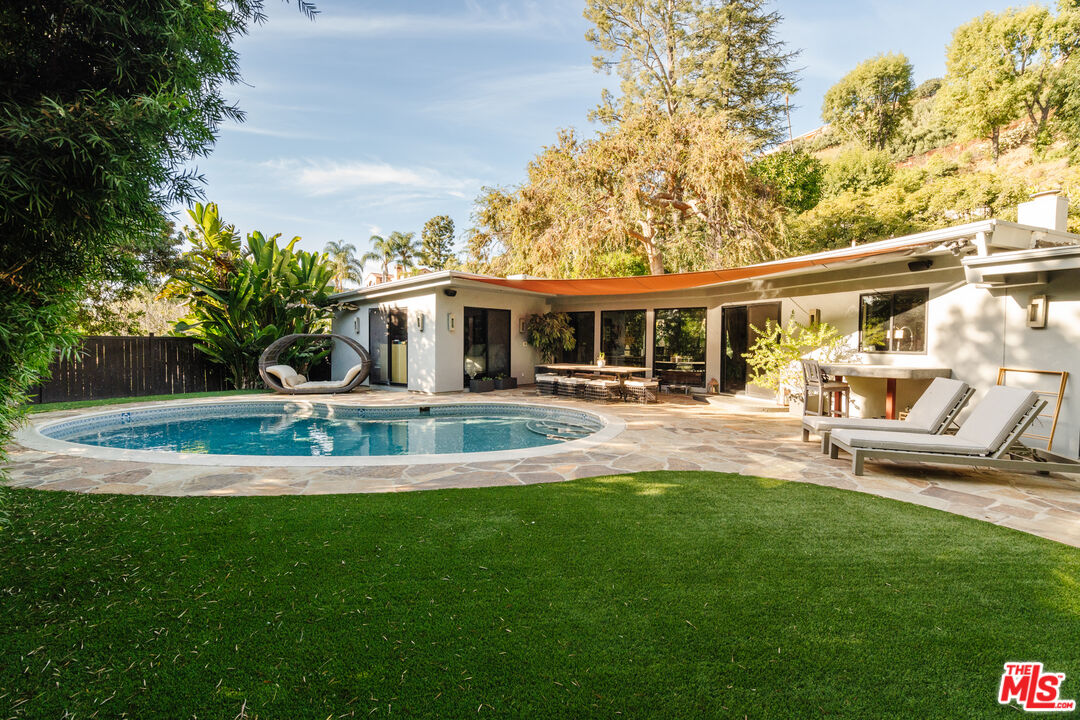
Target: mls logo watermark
x=1033, y=689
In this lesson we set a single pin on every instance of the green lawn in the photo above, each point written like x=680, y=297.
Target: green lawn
x=667, y=595
x=76, y=404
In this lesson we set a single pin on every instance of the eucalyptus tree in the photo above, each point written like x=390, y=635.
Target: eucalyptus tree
x=674, y=191
x=695, y=56
x=347, y=267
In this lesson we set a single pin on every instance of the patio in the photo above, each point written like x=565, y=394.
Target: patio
x=678, y=434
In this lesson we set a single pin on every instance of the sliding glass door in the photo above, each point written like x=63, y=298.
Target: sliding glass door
x=622, y=337
x=487, y=343
x=583, y=324
x=738, y=335
x=679, y=346
x=388, y=344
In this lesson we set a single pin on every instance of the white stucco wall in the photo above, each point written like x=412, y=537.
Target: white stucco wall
x=436, y=353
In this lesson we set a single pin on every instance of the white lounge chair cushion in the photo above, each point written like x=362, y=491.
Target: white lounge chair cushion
x=927, y=415
x=294, y=380
x=821, y=424
x=932, y=408
x=996, y=415
x=913, y=442
x=351, y=373
x=284, y=373
x=325, y=384
x=983, y=432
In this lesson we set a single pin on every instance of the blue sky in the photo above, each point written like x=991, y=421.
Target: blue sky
x=379, y=115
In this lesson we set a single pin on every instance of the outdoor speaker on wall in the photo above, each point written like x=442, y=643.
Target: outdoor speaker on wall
x=449, y=292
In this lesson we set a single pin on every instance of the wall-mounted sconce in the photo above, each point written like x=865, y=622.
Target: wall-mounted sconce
x=420, y=321
x=523, y=323
x=356, y=324
x=815, y=317
x=1037, y=311
x=450, y=324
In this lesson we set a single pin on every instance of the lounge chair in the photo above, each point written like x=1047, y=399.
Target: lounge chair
x=931, y=415
x=293, y=382
x=987, y=438
x=284, y=379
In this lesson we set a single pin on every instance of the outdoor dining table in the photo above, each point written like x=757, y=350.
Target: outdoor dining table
x=891, y=373
x=621, y=371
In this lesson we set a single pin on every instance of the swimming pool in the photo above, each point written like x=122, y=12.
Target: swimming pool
x=269, y=432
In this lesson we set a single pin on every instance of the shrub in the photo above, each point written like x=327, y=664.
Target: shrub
x=795, y=177
x=856, y=169
x=549, y=333
x=774, y=357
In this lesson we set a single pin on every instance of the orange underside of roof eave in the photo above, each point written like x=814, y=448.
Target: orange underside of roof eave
x=676, y=281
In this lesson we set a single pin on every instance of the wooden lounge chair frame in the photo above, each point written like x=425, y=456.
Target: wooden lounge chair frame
x=999, y=459
x=270, y=356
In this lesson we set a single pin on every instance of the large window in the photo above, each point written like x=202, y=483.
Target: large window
x=584, y=334
x=679, y=346
x=622, y=337
x=487, y=342
x=893, y=321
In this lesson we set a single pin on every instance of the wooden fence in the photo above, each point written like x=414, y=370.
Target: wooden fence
x=108, y=367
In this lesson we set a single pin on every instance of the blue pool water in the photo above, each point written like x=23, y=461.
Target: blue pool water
x=297, y=429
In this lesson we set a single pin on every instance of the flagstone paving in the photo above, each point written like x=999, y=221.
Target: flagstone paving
x=678, y=434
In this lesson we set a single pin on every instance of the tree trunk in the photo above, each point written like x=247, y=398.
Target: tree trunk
x=995, y=142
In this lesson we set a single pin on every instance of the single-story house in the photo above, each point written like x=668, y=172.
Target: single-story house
x=971, y=298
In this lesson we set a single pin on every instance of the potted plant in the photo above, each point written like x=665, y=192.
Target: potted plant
x=481, y=384
x=601, y=360
x=549, y=333
x=774, y=357
x=505, y=382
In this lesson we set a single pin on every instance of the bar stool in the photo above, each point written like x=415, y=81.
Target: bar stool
x=825, y=388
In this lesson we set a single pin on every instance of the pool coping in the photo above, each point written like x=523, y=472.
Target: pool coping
x=31, y=436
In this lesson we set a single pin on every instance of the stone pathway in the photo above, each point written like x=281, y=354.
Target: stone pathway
x=679, y=434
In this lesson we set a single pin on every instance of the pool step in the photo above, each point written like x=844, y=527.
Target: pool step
x=556, y=430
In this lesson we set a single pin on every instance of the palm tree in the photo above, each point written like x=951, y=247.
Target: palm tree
x=404, y=250
x=382, y=252
x=346, y=265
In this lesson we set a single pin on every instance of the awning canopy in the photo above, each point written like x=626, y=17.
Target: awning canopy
x=686, y=281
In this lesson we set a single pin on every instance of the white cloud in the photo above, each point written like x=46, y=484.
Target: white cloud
x=337, y=178
x=268, y=132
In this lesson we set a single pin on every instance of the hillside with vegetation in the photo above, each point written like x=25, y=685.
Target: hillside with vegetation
x=688, y=170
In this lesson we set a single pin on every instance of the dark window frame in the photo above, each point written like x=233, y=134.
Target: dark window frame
x=704, y=310
x=890, y=330
x=644, y=336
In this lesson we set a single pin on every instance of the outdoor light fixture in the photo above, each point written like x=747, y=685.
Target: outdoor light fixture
x=1036, y=311
x=420, y=321
x=523, y=322
x=920, y=265
x=815, y=317
x=450, y=321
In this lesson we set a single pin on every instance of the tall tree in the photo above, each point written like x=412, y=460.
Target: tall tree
x=870, y=102
x=708, y=56
x=381, y=252
x=1021, y=62
x=437, y=247
x=673, y=191
x=102, y=104
x=347, y=267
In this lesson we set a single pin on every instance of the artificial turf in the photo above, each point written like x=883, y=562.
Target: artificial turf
x=670, y=595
